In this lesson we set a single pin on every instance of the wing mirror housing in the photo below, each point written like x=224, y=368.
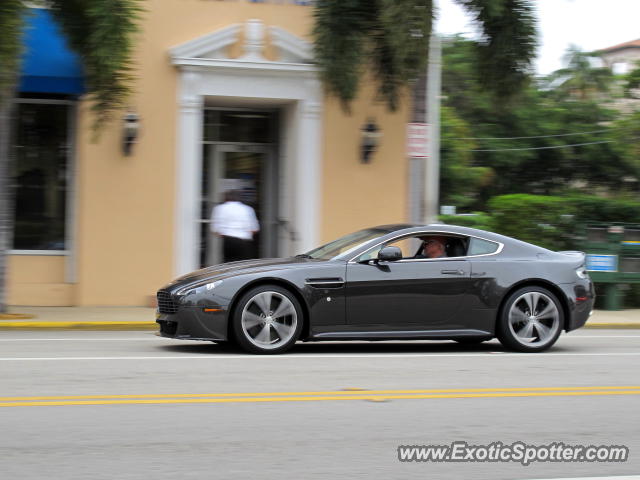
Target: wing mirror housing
x=390, y=254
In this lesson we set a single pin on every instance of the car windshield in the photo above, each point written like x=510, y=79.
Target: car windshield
x=345, y=244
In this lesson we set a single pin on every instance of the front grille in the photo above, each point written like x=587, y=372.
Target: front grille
x=166, y=303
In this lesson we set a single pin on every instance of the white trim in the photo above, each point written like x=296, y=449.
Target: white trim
x=51, y=253
x=294, y=86
x=290, y=47
x=255, y=66
x=207, y=44
x=71, y=220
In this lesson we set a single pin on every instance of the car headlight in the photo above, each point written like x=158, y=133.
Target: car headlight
x=202, y=286
x=582, y=273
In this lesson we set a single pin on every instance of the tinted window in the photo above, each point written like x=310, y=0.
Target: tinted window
x=481, y=247
x=39, y=173
x=345, y=244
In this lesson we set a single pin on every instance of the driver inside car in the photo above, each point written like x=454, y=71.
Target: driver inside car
x=432, y=247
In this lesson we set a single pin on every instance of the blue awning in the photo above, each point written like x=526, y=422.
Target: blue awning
x=48, y=64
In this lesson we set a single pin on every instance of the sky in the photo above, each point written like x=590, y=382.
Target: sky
x=589, y=24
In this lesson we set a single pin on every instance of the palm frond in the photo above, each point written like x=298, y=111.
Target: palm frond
x=102, y=32
x=508, y=45
x=386, y=37
x=11, y=25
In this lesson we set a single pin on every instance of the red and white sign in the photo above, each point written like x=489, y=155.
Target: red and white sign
x=418, y=140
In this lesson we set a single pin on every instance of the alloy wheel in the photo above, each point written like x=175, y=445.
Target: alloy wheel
x=534, y=319
x=269, y=320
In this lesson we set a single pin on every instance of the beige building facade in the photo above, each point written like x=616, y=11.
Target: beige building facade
x=226, y=95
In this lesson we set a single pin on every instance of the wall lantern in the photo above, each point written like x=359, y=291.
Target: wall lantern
x=370, y=139
x=130, y=132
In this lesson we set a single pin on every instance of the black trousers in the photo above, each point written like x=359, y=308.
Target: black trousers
x=234, y=249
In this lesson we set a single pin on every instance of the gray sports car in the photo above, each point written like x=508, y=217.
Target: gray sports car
x=387, y=282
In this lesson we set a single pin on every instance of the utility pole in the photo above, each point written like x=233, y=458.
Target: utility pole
x=424, y=163
x=432, y=162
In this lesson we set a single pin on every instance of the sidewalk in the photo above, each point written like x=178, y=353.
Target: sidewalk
x=142, y=318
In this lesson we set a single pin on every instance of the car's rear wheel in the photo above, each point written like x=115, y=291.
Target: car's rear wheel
x=267, y=319
x=531, y=320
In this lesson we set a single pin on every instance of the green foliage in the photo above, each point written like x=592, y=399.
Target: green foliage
x=459, y=180
x=479, y=220
x=538, y=145
x=386, y=37
x=390, y=39
x=633, y=82
x=588, y=208
x=508, y=43
x=554, y=222
x=580, y=79
x=11, y=25
x=533, y=218
x=102, y=32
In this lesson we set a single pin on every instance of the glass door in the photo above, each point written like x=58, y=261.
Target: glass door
x=247, y=169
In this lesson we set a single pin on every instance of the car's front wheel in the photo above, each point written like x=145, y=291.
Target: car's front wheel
x=531, y=320
x=267, y=319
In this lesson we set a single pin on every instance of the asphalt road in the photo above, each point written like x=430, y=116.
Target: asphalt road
x=129, y=405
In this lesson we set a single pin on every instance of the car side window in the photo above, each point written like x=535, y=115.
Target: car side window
x=481, y=247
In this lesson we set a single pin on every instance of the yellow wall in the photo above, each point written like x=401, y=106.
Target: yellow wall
x=357, y=195
x=38, y=280
x=125, y=205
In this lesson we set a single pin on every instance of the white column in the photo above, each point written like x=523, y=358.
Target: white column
x=188, y=175
x=308, y=176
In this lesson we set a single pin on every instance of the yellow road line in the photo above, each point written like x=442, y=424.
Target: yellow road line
x=312, y=398
x=321, y=393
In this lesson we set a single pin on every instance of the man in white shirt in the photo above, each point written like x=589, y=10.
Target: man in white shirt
x=236, y=223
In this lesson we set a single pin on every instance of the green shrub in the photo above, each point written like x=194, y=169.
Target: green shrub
x=474, y=220
x=596, y=209
x=541, y=220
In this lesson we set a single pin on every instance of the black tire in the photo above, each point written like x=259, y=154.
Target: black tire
x=267, y=320
x=523, y=330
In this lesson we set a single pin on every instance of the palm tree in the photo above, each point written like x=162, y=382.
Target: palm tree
x=100, y=31
x=389, y=39
x=580, y=78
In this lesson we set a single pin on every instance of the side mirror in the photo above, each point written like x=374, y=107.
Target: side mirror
x=390, y=254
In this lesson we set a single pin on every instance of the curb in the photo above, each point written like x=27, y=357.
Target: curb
x=16, y=316
x=613, y=325
x=124, y=325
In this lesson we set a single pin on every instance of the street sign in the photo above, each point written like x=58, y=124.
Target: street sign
x=602, y=263
x=447, y=209
x=417, y=140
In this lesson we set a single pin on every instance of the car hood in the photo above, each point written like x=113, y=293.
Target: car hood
x=225, y=270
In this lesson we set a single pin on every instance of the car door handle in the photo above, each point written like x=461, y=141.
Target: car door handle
x=452, y=272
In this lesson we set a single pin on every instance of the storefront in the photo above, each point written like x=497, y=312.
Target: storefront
x=227, y=96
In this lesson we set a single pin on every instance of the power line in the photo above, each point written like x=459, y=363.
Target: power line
x=539, y=148
x=542, y=136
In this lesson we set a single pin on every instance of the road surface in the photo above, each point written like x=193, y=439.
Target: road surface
x=130, y=405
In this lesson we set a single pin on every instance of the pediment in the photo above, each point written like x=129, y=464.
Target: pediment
x=216, y=45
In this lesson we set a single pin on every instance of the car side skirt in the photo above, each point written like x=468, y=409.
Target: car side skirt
x=401, y=334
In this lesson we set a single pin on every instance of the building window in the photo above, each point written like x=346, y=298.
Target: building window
x=41, y=151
